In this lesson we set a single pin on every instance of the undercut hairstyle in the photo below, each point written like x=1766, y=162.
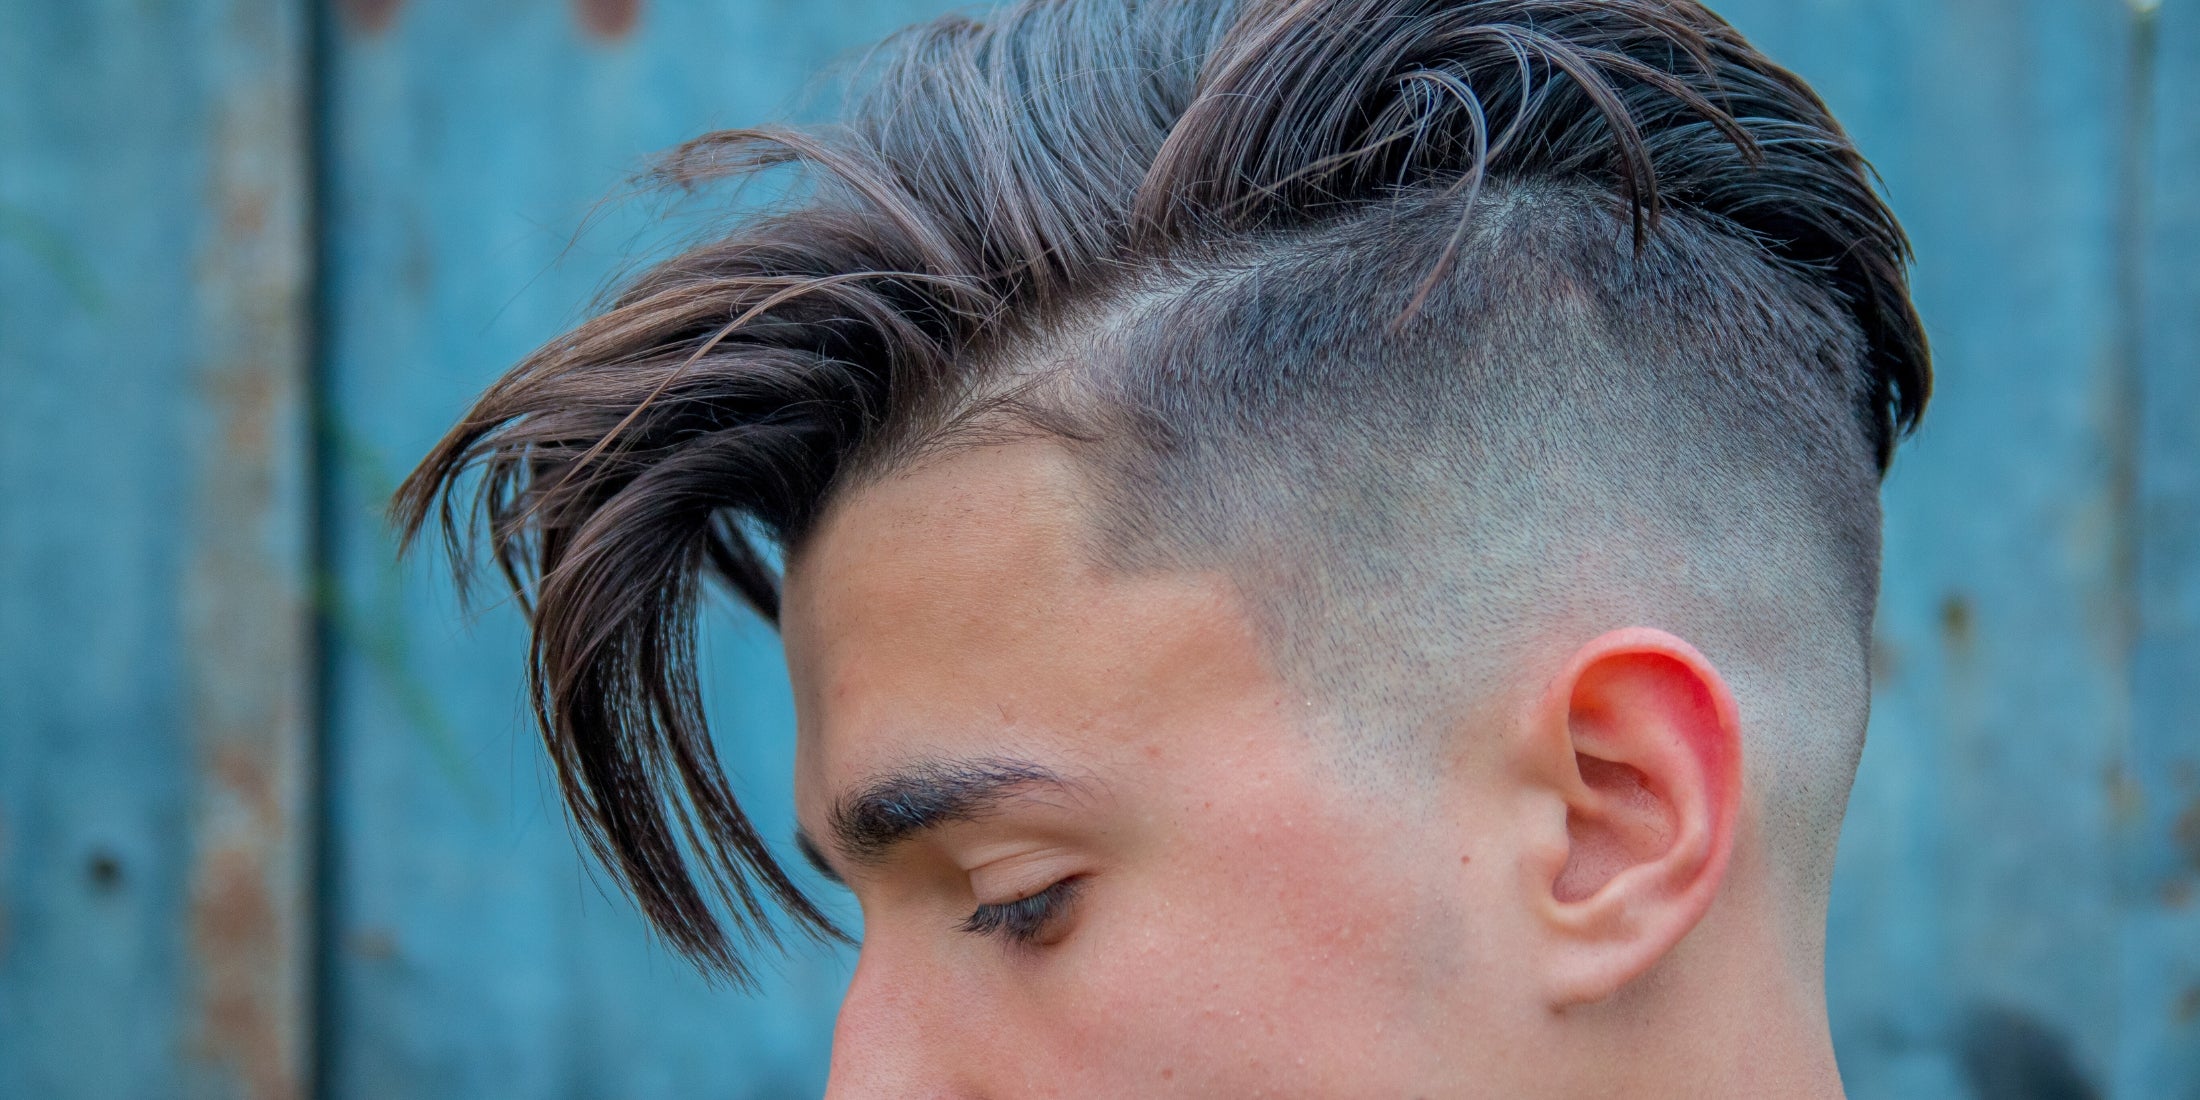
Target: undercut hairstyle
x=1444, y=326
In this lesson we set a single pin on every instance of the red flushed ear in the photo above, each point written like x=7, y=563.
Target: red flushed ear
x=1639, y=739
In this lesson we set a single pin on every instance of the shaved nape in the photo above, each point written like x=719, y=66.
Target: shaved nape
x=1435, y=317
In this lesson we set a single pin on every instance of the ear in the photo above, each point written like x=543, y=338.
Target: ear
x=1639, y=740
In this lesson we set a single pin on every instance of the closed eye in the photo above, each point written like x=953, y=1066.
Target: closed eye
x=1031, y=920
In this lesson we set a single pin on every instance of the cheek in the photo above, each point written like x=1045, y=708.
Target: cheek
x=1270, y=952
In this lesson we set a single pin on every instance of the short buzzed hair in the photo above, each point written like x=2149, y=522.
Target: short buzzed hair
x=1435, y=320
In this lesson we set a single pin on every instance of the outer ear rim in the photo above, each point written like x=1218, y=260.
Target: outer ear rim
x=1609, y=921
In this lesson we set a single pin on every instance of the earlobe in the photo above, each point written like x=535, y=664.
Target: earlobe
x=1641, y=741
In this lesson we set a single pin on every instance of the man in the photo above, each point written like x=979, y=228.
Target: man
x=1329, y=548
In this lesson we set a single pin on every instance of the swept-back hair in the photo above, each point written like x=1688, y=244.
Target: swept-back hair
x=994, y=177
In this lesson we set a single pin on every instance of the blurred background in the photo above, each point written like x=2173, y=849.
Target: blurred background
x=271, y=824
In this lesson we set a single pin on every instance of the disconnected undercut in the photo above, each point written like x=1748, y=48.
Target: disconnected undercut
x=1406, y=293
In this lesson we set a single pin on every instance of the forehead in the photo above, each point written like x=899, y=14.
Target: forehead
x=953, y=611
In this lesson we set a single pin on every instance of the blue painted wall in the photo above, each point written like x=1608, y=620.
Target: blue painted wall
x=271, y=824
x=154, y=548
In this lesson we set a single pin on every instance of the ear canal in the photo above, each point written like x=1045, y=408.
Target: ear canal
x=1631, y=826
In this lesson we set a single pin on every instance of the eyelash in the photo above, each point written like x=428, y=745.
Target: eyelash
x=1025, y=920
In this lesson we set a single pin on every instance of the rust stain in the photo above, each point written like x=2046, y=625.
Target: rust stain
x=369, y=16
x=247, y=778
x=233, y=925
x=2177, y=894
x=247, y=400
x=2188, y=1006
x=608, y=19
x=2186, y=832
x=244, y=584
x=1956, y=627
x=244, y=213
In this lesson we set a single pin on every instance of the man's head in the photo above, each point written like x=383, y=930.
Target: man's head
x=1322, y=540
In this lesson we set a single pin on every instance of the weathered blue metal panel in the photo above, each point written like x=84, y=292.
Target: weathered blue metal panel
x=1974, y=931
x=473, y=953
x=2158, y=829
x=153, y=520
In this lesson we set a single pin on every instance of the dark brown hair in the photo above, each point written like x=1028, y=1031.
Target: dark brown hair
x=999, y=180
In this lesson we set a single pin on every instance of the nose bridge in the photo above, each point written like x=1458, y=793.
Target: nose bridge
x=887, y=1042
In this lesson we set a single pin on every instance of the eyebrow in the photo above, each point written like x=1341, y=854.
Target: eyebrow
x=889, y=809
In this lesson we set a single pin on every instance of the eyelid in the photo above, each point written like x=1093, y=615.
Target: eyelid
x=1021, y=873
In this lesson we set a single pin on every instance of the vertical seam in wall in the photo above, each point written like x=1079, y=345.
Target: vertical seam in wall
x=2132, y=175
x=2133, y=207
x=321, y=1027
x=2125, y=843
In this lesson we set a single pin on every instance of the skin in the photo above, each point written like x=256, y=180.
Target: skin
x=1567, y=900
